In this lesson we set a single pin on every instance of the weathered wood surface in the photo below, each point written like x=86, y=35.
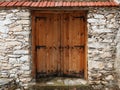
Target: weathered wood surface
x=60, y=44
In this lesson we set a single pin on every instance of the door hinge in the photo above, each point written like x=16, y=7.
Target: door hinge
x=39, y=47
x=38, y=18
x=80, y=17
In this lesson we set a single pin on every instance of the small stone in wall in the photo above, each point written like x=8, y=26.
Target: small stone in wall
x=110, y=77
x=16, y=28
x=110, y=16
x=8, y=21
x=98, y=16
x=24, y=58
x=13, y=43
x=109, y=65
x=97, y=65
x=23, y=22
x=25, y=14
x=8, y=16
x=92, y=20
x=25, y=67
x=106, y=55
x=4, y=36
x=12, y=60
x=21, y=52
x=50, y=83
x=4, y=29
x=102, y=30
x=13, y=56
x=4, y=75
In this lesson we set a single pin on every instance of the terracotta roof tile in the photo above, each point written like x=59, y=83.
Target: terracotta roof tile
x=44, y=3
x=40, y=4
x=53, y=3
x=1, y=2
x=27, y=4
x=11, y=3
x=19, y=3
x=4, y=4
x=56, y=4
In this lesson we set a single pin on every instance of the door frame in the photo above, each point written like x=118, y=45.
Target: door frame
x=36, y=13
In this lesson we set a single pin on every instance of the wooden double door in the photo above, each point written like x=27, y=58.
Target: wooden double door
x=60, y=44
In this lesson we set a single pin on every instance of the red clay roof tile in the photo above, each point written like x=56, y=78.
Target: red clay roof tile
x=48, y=4
x=11, y=3
x=27, y=4
x=44, y=3
x=4, y=4
x=53, y=3
x=1, y=3
x=40, y=4
x=19, y=3
x=56, y=4
x=60, y=3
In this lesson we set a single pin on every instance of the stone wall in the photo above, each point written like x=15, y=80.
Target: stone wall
x=15, y=57
x=103, y=45
x=103, y=27
x=117, y=40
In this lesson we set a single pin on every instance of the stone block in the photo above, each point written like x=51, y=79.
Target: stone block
x=102, y=30
x=21, y=52
x=13, y=56
x=110, y=25
x=106, y=55
x=12, y=60
x=97, y=65
x=4, y=35
x=109, y=65
x=6, y=67
x=23, y=14
x=109, y=77
x=8, y=21
x=110, y=16
x=17, y=47
x=96, y=45
x=92, y=20
x=23, y=22
x=99, y=16
x=24, y=58
x=16, y=28
x=4, y=75
x=25, y=67
x=13, y=43
x=4, y=29
x=22, y=33
x=10, y=15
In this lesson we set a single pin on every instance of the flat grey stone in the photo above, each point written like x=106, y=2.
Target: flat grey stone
x=50, y=83
x=4, y=81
